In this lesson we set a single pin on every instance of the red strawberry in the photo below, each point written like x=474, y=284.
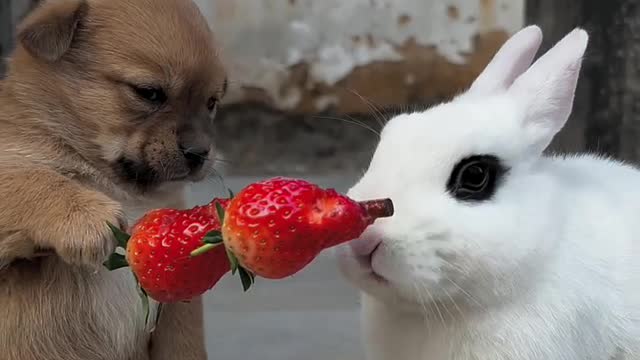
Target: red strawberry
x=272, y=228
x=159, y=249
x=277, y=227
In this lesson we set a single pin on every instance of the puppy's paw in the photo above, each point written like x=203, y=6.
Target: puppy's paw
x=85, y=237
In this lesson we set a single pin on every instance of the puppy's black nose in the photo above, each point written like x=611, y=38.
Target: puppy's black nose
x=195, y=156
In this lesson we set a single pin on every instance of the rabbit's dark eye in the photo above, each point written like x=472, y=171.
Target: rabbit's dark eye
x=475, y=178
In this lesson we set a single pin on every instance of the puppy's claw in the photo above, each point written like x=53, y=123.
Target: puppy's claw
x=89, y=239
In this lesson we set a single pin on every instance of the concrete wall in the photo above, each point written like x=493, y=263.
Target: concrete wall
x=19, y=8
x=11, y=12
x=305, y=55
x=305, y=73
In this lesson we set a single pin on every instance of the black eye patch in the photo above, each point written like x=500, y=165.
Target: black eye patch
x=476, y=178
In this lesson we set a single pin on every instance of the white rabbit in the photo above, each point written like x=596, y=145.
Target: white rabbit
x=497, y=251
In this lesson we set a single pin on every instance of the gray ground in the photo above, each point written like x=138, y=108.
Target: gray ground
x=312, y=316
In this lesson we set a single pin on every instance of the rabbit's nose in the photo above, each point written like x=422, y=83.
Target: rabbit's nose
x=365, y=245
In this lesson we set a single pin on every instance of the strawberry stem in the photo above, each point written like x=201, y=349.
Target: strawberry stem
x=379, y=208
x=203, y=249
x=247, y=277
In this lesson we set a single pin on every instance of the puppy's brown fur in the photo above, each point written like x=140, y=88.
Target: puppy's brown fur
x=105, y=114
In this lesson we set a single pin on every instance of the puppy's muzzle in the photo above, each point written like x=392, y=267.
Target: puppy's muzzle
x=195, y=157
x=195, y=145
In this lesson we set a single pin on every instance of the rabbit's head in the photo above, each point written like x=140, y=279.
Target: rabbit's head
x=475, y=208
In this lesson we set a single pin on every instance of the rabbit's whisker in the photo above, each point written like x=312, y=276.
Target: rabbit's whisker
x=435, y=303
x=423, y=303
x=377, y=113
x=349, y=121
x=464, y=292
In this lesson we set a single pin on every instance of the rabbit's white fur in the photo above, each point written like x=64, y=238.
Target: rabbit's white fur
x=549, y=268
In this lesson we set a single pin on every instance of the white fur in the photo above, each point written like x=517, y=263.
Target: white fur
x=547, y=269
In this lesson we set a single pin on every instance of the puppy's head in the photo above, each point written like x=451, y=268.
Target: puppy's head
x=133, y=86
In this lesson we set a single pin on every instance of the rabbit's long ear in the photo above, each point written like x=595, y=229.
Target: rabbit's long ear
x=513, y=59
x=546, y=91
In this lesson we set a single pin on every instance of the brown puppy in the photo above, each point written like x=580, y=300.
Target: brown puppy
x=105, y=114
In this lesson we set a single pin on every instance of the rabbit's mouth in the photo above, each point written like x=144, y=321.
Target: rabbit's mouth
x=369, y=264
x=364, y=262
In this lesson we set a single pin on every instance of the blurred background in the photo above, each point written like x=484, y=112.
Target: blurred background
x=313, y=81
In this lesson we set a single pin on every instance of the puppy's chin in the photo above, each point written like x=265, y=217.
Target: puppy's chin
x=145, y=178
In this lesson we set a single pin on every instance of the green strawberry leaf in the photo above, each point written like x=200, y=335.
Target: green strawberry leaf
x=234, y=262
x=246, y=277
x=158, y=315
x=145, y=304
x=213, y=237
x=145, y=301
x=231, y=194
x=220, y=211
x=115, y=262
x=121, y=237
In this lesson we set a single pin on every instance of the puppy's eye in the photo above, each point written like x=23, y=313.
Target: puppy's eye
x=151, y=94
x=212, y=103
x=475, y=178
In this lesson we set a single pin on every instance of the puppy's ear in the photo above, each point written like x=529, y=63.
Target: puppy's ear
x=48, y=32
